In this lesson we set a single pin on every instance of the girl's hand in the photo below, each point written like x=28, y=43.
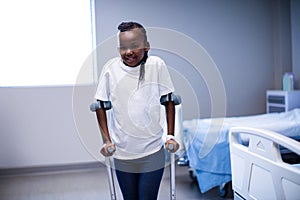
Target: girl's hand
x=172, y=143
x=108, y=149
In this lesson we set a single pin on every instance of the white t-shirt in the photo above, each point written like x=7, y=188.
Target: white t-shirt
x=135, y=127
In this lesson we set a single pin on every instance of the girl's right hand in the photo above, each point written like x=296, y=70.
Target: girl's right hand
x=108, y=149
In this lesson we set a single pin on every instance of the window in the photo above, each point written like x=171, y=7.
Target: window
x=45, y=42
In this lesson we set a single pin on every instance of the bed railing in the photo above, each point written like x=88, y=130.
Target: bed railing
x=258, y=171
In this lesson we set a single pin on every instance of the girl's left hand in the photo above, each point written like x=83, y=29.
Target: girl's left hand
x=174, y=143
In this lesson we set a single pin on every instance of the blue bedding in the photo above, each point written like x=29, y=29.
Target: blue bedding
x=207, y=142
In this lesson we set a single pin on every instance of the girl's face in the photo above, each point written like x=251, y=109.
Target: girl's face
x=132, y=46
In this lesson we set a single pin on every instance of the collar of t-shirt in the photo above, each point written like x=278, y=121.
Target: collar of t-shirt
x=131, y=70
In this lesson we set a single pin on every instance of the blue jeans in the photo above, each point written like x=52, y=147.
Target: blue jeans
x=140, y=179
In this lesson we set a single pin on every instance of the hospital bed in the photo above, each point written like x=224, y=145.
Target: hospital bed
x=207, y=142
x=258, y=170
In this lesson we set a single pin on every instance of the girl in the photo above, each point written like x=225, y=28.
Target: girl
x=134, y=84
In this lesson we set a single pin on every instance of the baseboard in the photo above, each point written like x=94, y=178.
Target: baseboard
x=48, y=169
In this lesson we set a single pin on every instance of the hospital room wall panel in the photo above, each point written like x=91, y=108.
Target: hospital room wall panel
x=238, y=35
x=295, y=34
x=37, y=124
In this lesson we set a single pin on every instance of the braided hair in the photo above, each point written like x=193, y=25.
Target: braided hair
x=127, y=26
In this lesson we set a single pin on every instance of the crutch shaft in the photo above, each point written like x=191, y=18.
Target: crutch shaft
x=172, y=177
x=110, y=178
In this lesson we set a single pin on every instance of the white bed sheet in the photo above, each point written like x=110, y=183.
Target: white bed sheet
x=207, y=142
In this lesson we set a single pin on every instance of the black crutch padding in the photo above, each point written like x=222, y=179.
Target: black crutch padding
x=170, y=97
x=97, y=105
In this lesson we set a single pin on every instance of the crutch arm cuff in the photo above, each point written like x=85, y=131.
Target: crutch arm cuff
x=106, y=105
x=170, y=97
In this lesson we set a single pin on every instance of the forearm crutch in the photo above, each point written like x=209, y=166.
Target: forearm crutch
x=109, y=166
x=177, y=100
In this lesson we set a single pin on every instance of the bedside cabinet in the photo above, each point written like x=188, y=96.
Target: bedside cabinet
x=282, y=101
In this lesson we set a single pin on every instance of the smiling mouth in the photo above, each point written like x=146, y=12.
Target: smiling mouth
x=130, y=59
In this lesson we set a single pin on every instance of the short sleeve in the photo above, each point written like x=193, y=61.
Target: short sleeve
x=103, y=89
x=102, y=92
x=165, y=81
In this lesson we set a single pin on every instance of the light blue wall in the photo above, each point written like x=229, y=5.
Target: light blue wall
x=240, y=36
x=49, y=125
x=295, y=29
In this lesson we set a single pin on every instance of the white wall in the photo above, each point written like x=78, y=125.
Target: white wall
x=39, y=126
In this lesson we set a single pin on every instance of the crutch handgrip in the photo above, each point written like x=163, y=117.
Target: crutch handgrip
x=110, y=150
x=171, y=147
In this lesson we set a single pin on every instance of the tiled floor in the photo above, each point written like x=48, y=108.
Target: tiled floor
x=89, y=184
